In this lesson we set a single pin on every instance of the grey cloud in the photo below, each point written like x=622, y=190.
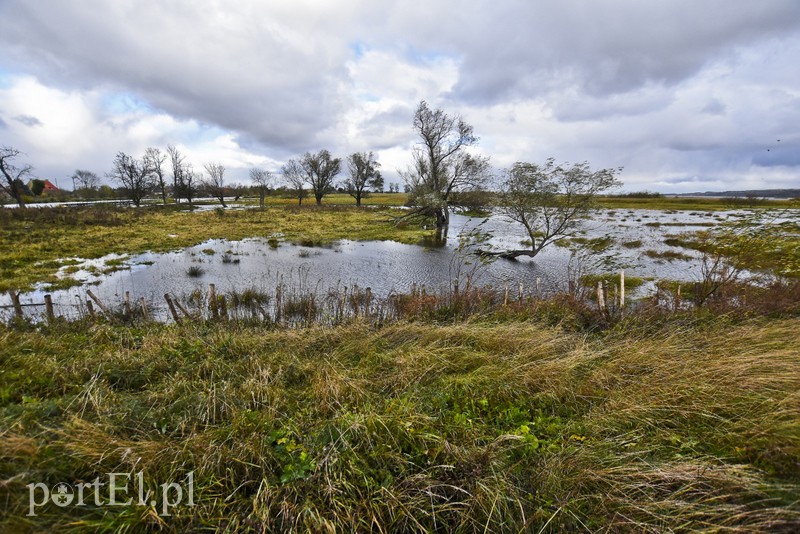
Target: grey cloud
x=605, y=48
x=714, y=107
x=779, y=154
x=260, y=76
x=28, y=120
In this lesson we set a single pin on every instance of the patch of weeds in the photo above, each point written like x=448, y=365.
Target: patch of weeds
x=632, y=244
x=195, y=271
x=668, y=255
x=208, y=251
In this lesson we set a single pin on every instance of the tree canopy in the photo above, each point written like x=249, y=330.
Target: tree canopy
x=548, y=200
x=442, y=163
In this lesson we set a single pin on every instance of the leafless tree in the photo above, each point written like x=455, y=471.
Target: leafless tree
x=549, y=200
x=13, y=175
x=155, y=159
x=263, y=181
x=133, y=175
x=442, y=164
x=87, y=180
x=295, y=178
x=188, y=183
x=176, y=161
x=320, y=170
x=214, y=181
x=364, y=174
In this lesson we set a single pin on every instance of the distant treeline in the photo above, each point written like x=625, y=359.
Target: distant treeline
x=763, y=193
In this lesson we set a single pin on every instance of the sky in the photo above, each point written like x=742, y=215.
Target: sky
x=685, y=95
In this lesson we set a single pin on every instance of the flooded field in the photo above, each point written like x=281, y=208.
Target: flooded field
x=634, y=240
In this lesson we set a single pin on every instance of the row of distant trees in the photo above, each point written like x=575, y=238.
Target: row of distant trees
x=546, y=199
x=167, y=171
x=168, y=175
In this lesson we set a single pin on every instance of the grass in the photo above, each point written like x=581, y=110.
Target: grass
x=683, y=203
x=667, y=255
x=498, y=423
x=32, y=241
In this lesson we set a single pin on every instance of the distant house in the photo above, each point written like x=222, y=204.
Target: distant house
x=39, y=187
x=48, y=186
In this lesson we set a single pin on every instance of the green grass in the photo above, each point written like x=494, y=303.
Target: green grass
x=497, y=424
x=684, y=203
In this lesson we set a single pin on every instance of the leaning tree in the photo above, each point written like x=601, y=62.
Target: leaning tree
x=549, y=200
x=12, y=183
x=442, y=163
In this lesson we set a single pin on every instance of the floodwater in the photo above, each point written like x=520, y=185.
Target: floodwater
x=386, y=266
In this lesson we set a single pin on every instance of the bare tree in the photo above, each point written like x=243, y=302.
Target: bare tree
x=263, y=181
x=214, y=182
x=13, y=175
x=133, y=175
x=364, y=174
x=87, y=180
x=442, y=164
x=320, y=170
x=549, y=200
x=155, y=159
x=296, y=179
x=176, y=160
x=188, y=183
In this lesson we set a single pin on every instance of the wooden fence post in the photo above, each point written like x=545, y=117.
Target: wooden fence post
x=90, y=307
x=622, y=288
x=99, y=303
x=143, y=305
x=278, y=304
x=212, y=300
x=48, y=304
x=17, y=305
x=601, y=303
x=172, y=309
x=181, y=308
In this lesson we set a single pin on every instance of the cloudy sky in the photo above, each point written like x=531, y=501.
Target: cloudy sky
x=686, y=95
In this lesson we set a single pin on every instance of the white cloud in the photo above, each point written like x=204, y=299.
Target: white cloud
x=679, y=93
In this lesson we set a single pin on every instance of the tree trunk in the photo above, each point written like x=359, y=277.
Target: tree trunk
x=18, y=194
x=442, y=217
x=508, y=254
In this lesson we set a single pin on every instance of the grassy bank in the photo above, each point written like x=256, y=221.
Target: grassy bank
x=498, y=423
x=32, y=241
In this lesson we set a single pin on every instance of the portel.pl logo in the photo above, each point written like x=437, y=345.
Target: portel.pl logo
x=119, y=489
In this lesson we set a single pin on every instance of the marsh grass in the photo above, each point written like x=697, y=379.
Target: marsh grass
x=499, y=421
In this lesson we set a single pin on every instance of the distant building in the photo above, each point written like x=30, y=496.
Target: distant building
x=45, y=185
